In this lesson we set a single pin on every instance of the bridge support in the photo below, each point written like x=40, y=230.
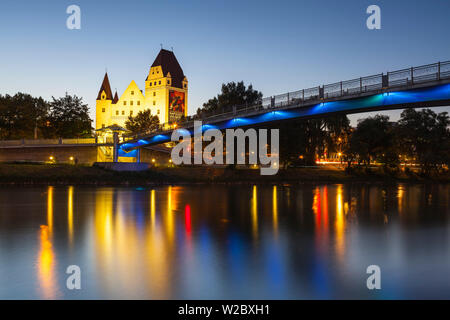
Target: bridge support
x=116, y=147
x=138, y=155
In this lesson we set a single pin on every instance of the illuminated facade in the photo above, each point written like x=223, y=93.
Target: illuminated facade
x=166, y=90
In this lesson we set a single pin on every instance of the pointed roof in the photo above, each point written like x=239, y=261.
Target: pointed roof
x=116, y=98
x=106, y=87
x=169, y=64
x=133, y=87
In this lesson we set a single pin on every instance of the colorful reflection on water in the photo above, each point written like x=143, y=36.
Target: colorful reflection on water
x=232, y=242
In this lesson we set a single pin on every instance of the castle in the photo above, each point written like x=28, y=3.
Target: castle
x=166, y=89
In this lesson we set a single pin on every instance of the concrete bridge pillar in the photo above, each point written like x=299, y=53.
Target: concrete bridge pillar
x=116, y=146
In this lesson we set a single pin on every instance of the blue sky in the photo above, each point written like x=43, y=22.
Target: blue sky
x=278, y=46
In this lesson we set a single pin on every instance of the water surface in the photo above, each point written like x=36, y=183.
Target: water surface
x=230, y=242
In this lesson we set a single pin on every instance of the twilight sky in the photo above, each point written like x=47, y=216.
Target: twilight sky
x=278, y=46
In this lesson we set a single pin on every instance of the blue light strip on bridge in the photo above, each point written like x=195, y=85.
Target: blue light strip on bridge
x=382, y=100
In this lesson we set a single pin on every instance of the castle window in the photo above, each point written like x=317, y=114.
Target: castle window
x=123, y=112
x=103, y=109
x=103, y=125
x=154, y=94
x=168, y=81
x=124, y=103
x=153, y=72
x=184, y=85
x=138, y=103
x=154, y=103
x=131, y=103
x=158, y=111
x=117, y=112
x=132, y=92
x=155, y=83
x=159, y=82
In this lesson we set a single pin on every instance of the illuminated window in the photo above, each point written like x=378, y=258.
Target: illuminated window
x=131, y=103
x=123, y=112
x=103, y=110
x=154, y=94
x=154, y=103
x=132, y=92
x=117, y=112
x=138, y=103
x=124, y=103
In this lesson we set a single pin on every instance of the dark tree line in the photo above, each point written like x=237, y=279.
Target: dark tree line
x=144, y=121
x=25, y=117
x=420, y=137
x=232, y=94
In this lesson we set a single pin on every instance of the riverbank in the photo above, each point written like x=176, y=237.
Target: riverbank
x=31, y=174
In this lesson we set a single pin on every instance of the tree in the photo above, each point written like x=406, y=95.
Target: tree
x=302, y=140
x=373, y=139
x=425, y=136
x=232, y=94
x=22, y=116
x=144, y=121
x=69, y=118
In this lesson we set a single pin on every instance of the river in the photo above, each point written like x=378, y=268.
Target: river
x=226, y=241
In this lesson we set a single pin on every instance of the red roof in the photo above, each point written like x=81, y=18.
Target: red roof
x=106, y=87
x=116, y=98
x=169, y=63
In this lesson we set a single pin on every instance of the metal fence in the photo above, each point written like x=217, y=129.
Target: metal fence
x=29, y=142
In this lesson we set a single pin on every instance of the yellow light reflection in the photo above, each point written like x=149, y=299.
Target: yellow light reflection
x=46, y=265
x=400, y=196
x=104, y=226
x=275, y=210
x=70, y=213
x=255, y=212
x=169, y=222
x=50, y=209
x=340, y=223
x=152, y=209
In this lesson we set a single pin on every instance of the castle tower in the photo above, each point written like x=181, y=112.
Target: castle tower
x=166, y=88
x=103, y=104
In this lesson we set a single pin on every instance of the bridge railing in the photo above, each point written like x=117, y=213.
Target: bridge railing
x=24, y=142
x=403, y=78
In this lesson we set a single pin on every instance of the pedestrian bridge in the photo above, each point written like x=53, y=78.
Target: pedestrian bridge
x=423, y=86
